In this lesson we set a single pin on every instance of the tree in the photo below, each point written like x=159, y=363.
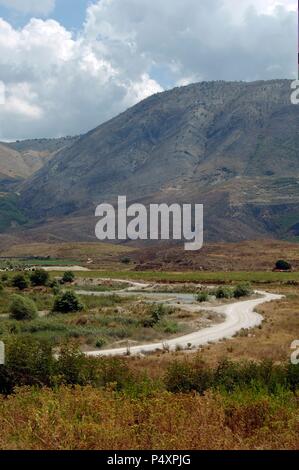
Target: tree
x=283, y=265
x=20, y=281
x=68, y=276
x=67, y=302
x=22, y=308
x=39, y=277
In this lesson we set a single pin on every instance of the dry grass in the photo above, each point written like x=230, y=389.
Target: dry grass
x=103, y=255
x=86, y=418
x=257, y=255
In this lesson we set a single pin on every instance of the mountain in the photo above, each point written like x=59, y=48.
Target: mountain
x=21, y=159
x=232, y=146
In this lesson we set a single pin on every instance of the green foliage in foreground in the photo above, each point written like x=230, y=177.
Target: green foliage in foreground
x=31, y=362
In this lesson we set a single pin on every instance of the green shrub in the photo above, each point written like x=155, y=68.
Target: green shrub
x=100, y=342
x=182, y=377
x=202, y=296
x=243, y=290
x=67, y=302
x=54, y=285
x=22, y=308
x=157, y=313
x=20, y=281
x=68, y=277
x=39, y=277
x=224, y=293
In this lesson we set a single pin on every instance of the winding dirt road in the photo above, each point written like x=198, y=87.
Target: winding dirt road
x=238, y=315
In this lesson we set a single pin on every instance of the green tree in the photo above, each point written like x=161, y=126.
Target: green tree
x=283, y=265
x=67, y=302
x=39, y=277
x=22, y=308
x=68, y=276
x=20, y=281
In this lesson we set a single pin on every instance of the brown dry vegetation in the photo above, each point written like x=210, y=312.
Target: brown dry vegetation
x=257, y=255
x=87, y=418
x=103, y=255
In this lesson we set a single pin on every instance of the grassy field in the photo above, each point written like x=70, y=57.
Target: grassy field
x=194, y=276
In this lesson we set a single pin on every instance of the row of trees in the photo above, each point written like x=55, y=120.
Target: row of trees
x=223, y=292
x=39, y=277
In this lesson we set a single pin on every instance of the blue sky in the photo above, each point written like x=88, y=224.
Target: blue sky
x=70, y=13
x=69, y=65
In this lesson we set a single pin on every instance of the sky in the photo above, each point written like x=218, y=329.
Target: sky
x=66, y=66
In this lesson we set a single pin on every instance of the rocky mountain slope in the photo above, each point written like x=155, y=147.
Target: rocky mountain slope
x=21, y=159
x=232, y=146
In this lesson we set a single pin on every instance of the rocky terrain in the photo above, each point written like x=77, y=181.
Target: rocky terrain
x=232, y=146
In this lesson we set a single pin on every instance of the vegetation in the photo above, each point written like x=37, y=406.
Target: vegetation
x=283, y=265
x=67, y=302
x=20, y=281
x=203, y=296
x=258, y=277
x=90, y=403
x=39, y=277
x=224, y=293
x=243, y=290
x=68, y=277
x=166, y=400
x=22, y=308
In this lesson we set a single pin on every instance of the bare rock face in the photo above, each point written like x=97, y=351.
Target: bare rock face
x=231, y=146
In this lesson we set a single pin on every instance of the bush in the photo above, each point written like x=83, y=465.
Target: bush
x=27, y=362
x=202, y=296
x=22, y=308
x=158, y=312
x=224, y=293
x=100, y=342
x=67, y=302
x=125, y=260
x=20, y=281
x=40, y=277
x=243, y=290
x=55, y=286
x=283, y=265
x=68, y=277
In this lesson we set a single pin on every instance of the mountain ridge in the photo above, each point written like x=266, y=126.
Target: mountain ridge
x=232, y=146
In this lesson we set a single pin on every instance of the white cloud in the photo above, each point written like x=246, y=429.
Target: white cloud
x=58, y=83
x=36, y=7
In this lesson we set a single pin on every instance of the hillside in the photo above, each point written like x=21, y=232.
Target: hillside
x=232, y=146
x=21, y=159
